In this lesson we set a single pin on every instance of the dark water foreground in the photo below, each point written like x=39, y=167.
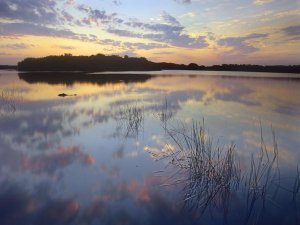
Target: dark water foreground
x=134, y=149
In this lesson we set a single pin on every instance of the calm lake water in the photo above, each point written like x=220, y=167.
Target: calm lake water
x=118, y=149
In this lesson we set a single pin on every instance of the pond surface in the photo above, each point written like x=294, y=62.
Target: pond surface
x=104, y=154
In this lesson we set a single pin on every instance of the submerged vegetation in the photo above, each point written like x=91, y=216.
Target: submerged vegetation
x=215, y=180
x=101, y=62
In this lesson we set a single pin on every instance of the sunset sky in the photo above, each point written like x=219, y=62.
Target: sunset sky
x=202, y=31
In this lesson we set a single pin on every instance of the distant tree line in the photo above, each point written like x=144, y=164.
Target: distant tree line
x=255, y=68
x=101, y=63
x=8, y=67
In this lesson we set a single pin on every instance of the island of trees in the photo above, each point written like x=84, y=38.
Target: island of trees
x=100, y=63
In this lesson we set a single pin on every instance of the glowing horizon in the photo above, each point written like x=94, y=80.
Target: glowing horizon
x=205, y=32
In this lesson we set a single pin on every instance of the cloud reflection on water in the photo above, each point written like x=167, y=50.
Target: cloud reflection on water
x=93, y=173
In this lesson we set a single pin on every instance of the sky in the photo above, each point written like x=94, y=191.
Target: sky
x=206, y=32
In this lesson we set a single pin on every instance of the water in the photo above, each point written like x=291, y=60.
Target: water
x=93, y=158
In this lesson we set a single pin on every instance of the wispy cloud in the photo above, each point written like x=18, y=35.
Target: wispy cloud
x=238, y=94
x=21, y=29
x=123, y=32
x=117, y=2
x=183, y=1
x=132, y=45
x=241, y=45
x=262, y=2
x=145, y=46
x=65, y=47
x=16, y=46
x=293, y=32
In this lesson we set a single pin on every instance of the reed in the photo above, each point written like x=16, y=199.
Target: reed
x=132, y=119
x=210, y=172
x=264, y=170
x=8, y=101
x=211, y=175
x=165, y=114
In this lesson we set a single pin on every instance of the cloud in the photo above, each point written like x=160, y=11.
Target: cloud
x=59, y=212
x=156, y=207
x=21, y=29
x=145, y=46
x=238, y=94
x=262, y=2
x=183, y=1
x=110, y=42
x=170, y=32
x=156, y=153
x=36, y=20
x=119, y=153
x=37, y=131
x=70, y=2
x=9, y=157
x=31, y=135
x=66, y=16
x=169, y=19
x=286, y=109
x=188, y=15
x=65, y=47
x=51, y=162
x=37, y=11
x=98, y=16
x=124, y=33
x=240, y=44
x=112, y=171
x=22, y=207
x=117, y=2
x=292, y=31
x=96, y=210
x=16, y=46
x=6, y=54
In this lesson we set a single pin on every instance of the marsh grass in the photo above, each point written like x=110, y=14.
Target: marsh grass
x=296, y=186
x=259, y=179
x=131, y=120
x=8, y=101
x=165, y=114
x=212, y=178
x=210, y=172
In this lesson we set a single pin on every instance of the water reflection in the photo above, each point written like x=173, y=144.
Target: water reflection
x=82, y=160
x=69, y=78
